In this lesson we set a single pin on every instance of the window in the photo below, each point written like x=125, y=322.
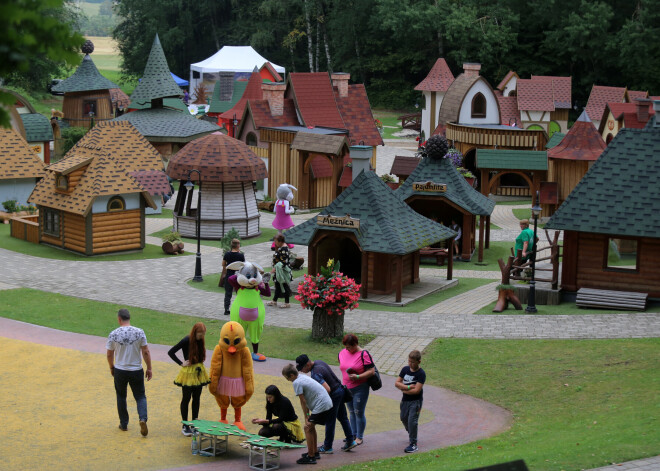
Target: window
x=89, y=106
x=251, y=139
x=621, y=254
x=609, y=138
x=62, y=182
x=51, y=222
x=479, y=106
x=116, y=203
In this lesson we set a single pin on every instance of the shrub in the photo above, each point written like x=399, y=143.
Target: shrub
x=225, y=242
x=10, y=206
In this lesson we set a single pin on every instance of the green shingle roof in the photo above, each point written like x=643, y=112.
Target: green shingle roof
x=619, y=194
x=157, y=81
x=85, y=78
x=555, y=140
x=168, y=125
x=458, y=191
x=37, y=127
x=512, y=159
x=219, y=106
x=387, y=224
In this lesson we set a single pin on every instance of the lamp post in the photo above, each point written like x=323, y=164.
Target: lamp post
x=235, y=123
x=531, y=302
x=190, y=187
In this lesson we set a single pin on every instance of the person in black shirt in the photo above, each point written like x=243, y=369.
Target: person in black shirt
x=286, y=426
x=192, y=376
x=281, y=272
x=410, y=383
x=234, y=255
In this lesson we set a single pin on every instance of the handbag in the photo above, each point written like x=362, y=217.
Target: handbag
x=223, y=275
x=374, y=381
x=348, y=395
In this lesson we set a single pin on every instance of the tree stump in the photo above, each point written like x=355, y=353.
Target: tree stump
x=327, y=326
x=506, y=296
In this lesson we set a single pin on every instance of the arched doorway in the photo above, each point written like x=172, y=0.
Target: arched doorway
x=343, y=250
x=553, y=127
x=535, y=127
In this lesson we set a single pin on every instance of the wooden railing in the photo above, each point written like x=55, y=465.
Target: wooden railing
x=411, y=121
x=500, y=136
x=25, y=228
x=518, y=268
x=513, y=191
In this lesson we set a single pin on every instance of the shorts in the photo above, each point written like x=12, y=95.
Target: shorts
x=321, y=418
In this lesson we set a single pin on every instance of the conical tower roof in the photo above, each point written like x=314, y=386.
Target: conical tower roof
x=157, y=81
x=387, y=224
x=582, y=142
x=85, y=78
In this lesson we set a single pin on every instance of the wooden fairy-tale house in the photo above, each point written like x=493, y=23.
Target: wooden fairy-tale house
x=433, y=87
x=403, y=166
x=473, y=116
x=569, y=161
x=133, y=153
x=227, y=169
x=87, y=96
x=166, y=128
x=617, y=116
x=34, y=127
x=374, y=235
x=233, y=109
x=314, y=103
x=611, y=221
x=20, y=168
x=601, y=96
x=530, y=168
x=88, y=203
x=436, y=190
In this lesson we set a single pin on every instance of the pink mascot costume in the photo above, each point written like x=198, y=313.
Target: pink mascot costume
x=283, y=209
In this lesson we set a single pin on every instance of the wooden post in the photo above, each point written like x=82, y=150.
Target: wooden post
x=399, y=278
x=450, y=259
x=364, y=270
x=484, y=182
x=488, y=231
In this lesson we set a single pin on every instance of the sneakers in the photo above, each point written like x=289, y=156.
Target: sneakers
x=143, y=428
x=226, y=312
x=306, y=460
x=317, y=456
x=349, y=445
x=271, y=303
x=185, y=430
x=412, y=448
x=123, y=428
x=325, y=451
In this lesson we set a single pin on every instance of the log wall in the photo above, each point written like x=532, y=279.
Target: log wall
x=72, y=107
x=383, y=274
x=567, y=174
x=117, y=231
x=74, y=233
x=25, y=228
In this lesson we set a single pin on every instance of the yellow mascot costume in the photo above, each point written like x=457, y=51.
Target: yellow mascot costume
x=232, y=376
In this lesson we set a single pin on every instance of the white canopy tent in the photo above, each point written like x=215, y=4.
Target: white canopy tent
x=238, y=59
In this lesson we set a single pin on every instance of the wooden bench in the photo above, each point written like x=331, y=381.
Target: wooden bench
x=440, y=255
x=608, y=299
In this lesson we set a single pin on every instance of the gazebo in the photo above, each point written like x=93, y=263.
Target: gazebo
x=227, y=170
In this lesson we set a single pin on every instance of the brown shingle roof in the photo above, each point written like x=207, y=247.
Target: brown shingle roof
x=315, y=99
x=16, y=158
x=262, y=117
x=323, y=143
x=582, y=142
x=451, y=103
x=119, y=98
x=509, y=75
x=632, y=95
x=600, y=96
x=561, y=89
x=403, y=165
x=438, y=79
x=535, y=95
x=508, y=109
x=321, y=167
x=154, y=181
x=219, y=158
x=356, y=113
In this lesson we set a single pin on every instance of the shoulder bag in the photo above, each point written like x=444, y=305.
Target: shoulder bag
x=374, y=381
x=348, y=395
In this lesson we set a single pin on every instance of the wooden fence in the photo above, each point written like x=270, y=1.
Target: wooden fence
x=25, y=228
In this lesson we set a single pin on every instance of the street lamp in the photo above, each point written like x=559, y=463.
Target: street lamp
x=235, y=123
x=198, y=260
x=531, y=302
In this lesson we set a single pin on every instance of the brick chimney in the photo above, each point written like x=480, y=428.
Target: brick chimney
x=643, y=111
x=274, y=93
x=471, y=69
x=340, y=80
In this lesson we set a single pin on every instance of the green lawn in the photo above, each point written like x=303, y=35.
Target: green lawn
x=516, y=202
x=166, y=214
x=114, y=75
x=267, y=234
x=561, y=309
x=390, y=122
x=496, y=250
x=45, y=251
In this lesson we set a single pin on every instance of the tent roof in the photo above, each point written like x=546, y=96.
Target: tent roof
x=234, y=59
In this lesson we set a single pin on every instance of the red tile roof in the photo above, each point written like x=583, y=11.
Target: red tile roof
x=315, y=100
x=154, y=181
x=356, y=113
x=627, y=112
x=252, y=92
x=346, y=177
x=262, y=117
x=632, y=95
x=508, y=109
x=321, y=167
x=535, y=95
x=561, y=89
x=509, y=75
x=600, y=96
x=404, y=165
x=582, y=142
x=438, y=79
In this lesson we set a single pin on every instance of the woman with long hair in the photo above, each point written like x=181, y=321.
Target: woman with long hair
x=286, y=426
x=193, y=376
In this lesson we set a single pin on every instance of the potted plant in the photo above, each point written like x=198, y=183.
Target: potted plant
x=468, y=175
x=379, y=125
x=172, y=243
x=390, y=181
x=329, y=294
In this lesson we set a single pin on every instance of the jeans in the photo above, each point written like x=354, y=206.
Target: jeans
x=338, y=413
x=229, y=290
x=356, y=409
x=135, y=379
x=410, y=411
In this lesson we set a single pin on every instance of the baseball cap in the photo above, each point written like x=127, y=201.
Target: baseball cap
x=301, y=361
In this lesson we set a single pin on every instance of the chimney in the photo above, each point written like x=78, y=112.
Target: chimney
x=274, y=93
x=656, y=108
x=642, y=105
x=340, y=80
x=471, y=69
x=361, y=157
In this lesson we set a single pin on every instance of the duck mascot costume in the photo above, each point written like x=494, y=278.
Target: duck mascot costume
x=232, y=376
x=248, y=308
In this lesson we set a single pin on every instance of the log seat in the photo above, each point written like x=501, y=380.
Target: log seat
x=609, y=299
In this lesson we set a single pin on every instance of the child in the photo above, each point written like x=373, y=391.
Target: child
x=316, y=405
x=410, y=382
x=282, y=272
x=234, y=255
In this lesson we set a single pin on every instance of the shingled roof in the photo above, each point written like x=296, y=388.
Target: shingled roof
x=554, y=140
x=458, y=191
x=450, y=108
x=627, y=112
x=600, y=96
x=16, y=158
x=582, y=142
x=508, y=109
x=535, y=95
x=619, y=194
x=404, y=165
x=218, y=104
x=315, y=99
x=509, y=75
x=387, y=224
x=85, y=78
x=512, y=159
x=561, y=89
x=219, y=158
x=263, y=118
x=103, y=176
x=356, y=112
x=252, y=91
x=119, y=99
x=167, y=125
x=37, y=127
x=322, y=143
x=438, y=79
x=157, y=81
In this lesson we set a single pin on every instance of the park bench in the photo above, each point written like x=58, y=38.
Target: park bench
x=440, y=255
x=608, y=299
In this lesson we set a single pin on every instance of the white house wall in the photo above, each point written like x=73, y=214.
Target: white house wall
x=492, y=110
x=429, y=123
x=131, y=201
x=537, y=116
x=18, y=189
x=510, y=86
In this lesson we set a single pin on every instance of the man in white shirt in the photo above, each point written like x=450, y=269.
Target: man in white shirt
x=124, y=346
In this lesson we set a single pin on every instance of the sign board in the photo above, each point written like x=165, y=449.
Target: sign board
x=549, y=193
x=430, y=187
x=338, y=221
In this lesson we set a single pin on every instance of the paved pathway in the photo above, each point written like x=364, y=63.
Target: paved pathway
x=647, y=464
